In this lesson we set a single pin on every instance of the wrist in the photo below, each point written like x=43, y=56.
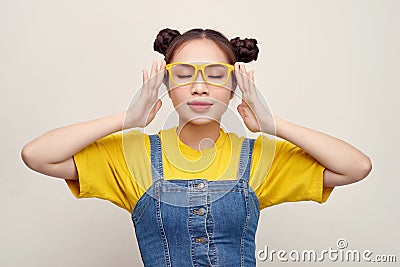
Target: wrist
x=118, y=120
x=277, y=125
x=270, y=127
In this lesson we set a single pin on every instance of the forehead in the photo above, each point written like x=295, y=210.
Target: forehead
x=199, y=50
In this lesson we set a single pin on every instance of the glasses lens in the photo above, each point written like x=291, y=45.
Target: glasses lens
x=216, y=74
x=183, y=73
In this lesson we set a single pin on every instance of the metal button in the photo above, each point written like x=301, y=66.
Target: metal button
x=201, y=211
x=202, y=240
x=200, y=186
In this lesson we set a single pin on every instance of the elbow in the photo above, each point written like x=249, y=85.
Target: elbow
x=357, y=172
x=361, y=169
x=28, y=157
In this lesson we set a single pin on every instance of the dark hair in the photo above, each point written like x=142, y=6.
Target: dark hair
x=167, y=41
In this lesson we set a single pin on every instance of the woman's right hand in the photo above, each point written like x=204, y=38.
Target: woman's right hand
x=52, y=152
x=143, y=110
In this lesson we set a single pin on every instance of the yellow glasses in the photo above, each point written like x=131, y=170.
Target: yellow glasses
x=183, y=73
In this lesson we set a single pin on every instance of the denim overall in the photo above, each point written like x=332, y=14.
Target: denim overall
x=197, y=222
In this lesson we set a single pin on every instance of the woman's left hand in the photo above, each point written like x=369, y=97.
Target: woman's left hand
x=256, y=115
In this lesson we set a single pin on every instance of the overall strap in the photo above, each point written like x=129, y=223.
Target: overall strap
x=157, y=171
x=245, y=159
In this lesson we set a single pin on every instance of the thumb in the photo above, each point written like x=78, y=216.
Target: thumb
x=156, y=107
x=153, y=111
x=240, y=110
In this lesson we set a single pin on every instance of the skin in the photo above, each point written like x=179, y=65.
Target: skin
x=344, y=163
x=52, y=152
x=195, y=127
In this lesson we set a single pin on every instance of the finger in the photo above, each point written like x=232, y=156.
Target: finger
x=145, y=75
x=251, y=75
x=145, y=85
x=244, y=103
x=156, y=107
x=153, y=80
x=242, y=67
x=145, y=79
x=154, y=68
x=162, y=65
x=161, y=73
x=239, y=77
x=156, y=84
x=246, y=81
x=240, y=110
x=251, y=82
x=154, y=110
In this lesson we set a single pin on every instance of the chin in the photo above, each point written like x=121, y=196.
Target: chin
x=199, y=120
x=188, y=116
x=202, y=121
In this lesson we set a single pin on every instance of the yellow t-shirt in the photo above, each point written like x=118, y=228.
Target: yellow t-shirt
x=117, y=167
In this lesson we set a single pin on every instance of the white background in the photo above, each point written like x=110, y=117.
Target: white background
x=329, y=65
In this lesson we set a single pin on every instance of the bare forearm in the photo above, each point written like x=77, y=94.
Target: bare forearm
x=62, y=143
x=335, y=154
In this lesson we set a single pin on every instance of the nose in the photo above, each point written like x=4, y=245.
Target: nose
x=199, y=85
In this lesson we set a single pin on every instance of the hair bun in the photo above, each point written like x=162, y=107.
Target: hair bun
x=245, y=50
x=164, y=39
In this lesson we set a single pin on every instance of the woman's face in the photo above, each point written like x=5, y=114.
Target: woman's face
x=200, y=103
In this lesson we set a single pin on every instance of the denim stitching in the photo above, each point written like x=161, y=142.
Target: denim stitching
x=156, y=158
x=163, y=236
x=247, y=149
x=152, y=156
x=157, y=176
x=190, y=228
x=244, y=228
x=137, y=217
x=210, y=231
x=241, y=159
x=212, y=244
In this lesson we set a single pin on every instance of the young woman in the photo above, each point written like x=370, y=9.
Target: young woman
x=194, y=190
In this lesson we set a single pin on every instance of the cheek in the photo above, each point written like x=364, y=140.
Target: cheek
x=224, y=95
x=231, y=84
x=177, y=96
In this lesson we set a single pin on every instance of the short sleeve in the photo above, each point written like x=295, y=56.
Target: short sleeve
x=293, y=175
x=103, y=173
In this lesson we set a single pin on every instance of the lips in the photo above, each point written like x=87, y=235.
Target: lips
x=200, y=105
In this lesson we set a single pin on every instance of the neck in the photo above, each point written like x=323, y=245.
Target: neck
x=199, y=137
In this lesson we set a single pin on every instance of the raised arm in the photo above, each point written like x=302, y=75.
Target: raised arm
x=344, y=163
x=51, y=153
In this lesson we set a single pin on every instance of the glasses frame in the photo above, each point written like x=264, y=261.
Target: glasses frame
x=200, y=66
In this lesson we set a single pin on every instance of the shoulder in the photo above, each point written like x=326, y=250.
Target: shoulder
x=233, y=137
x=273, y=144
